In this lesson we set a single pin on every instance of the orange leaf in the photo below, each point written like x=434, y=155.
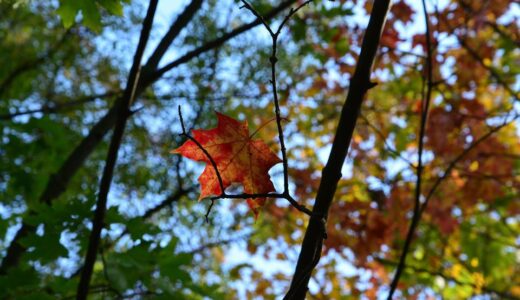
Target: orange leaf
x=239, y=159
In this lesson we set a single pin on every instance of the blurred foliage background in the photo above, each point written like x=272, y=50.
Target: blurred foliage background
x=64, y=64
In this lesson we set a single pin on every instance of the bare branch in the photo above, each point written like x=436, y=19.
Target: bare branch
x=180, y=23
x=209, y=210
x=57, y=107
x=359, y=85
x=424, y=119
x=273, y=59
x=111, y=160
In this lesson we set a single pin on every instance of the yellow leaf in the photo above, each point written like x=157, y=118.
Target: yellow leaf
x=479, y=281
x=455, y=270
x=474, y=262
x=474, y=166
x=515, y=291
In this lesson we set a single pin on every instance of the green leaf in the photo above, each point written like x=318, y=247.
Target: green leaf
x=47, y=247
x=113, y=6
x=18, y=279
x=68, y=11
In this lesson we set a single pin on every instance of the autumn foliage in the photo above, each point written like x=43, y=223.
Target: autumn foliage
x=65, y=67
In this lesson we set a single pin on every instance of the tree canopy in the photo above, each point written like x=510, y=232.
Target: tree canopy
x=352, y=149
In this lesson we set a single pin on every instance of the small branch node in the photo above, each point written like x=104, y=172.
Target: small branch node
x=209, y=210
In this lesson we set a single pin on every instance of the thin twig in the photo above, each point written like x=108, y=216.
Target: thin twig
x=273, y=59
x=424, y=119
x=388, y=147
x=454, y=162
x=209, y=210
x=56, y=107
x=289, y=198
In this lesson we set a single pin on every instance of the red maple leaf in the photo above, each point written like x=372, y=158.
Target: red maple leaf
x=238, y=157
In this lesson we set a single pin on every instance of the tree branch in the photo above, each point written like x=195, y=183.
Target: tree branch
x=219, y=41
x=180, y=23
x=359, y=84
x=56, y=107
x=418, y=183
x=503, y=295
x=111, y=160
x=273, y=59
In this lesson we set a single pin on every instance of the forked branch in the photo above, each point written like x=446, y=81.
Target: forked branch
x=273, y=59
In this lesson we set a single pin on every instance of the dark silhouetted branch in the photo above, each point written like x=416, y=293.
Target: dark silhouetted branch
x=273, y=60
x=57, y=107
x=425, y=107
x=414, y=269
x=359, y=85
x=221, y=40
x=111, y=160
x=180, y=23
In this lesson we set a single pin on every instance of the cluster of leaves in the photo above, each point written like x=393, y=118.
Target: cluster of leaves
x=90, y=11
x=57, y=82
